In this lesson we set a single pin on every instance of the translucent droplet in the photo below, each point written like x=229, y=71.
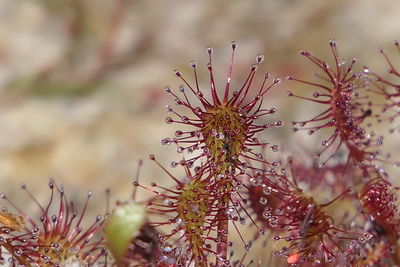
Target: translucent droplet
x=259, y=58
x=263, y=200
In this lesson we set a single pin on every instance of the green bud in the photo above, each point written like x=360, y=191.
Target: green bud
x=122, y=226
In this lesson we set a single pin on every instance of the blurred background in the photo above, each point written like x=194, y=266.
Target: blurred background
x=81, y=81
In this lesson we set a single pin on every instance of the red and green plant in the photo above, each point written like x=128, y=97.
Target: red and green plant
x=339, y=208
x=50, y=240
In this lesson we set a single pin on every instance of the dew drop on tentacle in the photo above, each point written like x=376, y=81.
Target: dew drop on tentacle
x=260, y=58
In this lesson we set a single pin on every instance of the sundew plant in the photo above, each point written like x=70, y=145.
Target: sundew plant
x=232, y=196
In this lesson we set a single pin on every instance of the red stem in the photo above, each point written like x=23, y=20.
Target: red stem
x=222, y=246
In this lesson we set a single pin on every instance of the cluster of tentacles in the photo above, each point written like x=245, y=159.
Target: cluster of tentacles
x=336, y=209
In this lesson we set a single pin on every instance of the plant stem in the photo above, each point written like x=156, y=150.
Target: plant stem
x=222, y=246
